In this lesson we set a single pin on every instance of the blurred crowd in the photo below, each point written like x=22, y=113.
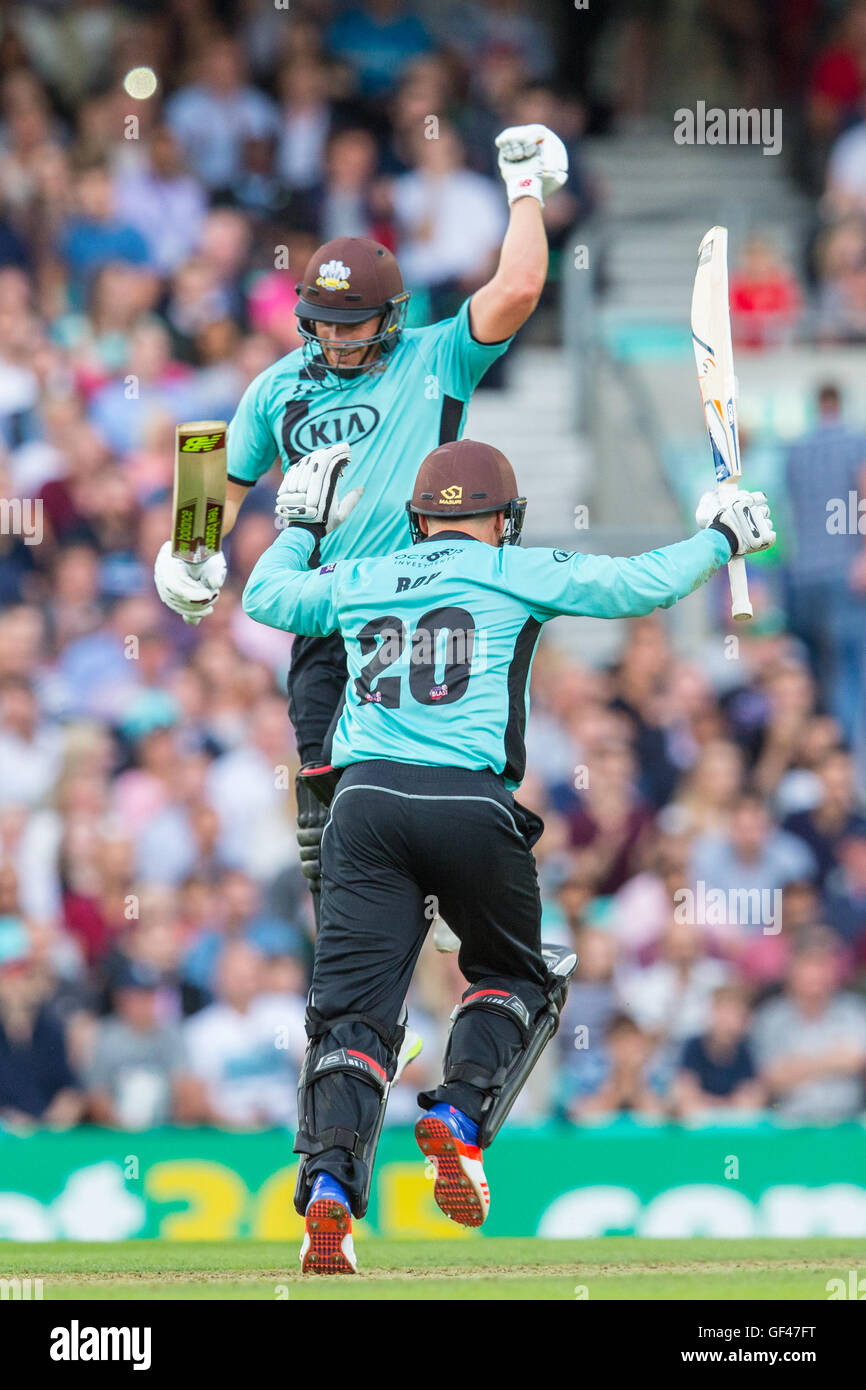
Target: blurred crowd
x=705, y=845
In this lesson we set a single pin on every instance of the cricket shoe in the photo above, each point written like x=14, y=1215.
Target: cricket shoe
x=328, y=1247
x=447, y=1137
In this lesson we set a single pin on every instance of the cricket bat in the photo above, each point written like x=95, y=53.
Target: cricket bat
x=199, y=491
x=714, y=355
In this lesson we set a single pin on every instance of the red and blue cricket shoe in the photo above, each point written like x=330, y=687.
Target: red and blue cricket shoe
x=449, y=1140
x=328, y=1247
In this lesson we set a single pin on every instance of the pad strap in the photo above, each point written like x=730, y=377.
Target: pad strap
x=499, y=1001
x=336, y=1138
x=352, y=1062
x=476, y=1076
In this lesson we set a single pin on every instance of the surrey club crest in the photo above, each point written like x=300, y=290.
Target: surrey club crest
x=333, y=275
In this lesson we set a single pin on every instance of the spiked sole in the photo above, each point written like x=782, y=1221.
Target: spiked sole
x=327, y=1224
x=453, y=1191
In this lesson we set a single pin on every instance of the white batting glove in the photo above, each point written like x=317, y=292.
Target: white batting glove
x=188, y=590
x=532, y=161
x=307, y=495
x=744, y=518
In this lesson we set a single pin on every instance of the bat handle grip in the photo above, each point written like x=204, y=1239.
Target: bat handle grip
x=741, y=606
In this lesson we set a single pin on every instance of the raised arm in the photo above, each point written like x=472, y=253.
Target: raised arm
x=282, y=592
x=503, y=305
x=533, y=161
x=605, y=586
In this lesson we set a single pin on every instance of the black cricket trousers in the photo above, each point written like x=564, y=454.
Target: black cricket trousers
x=399, y=835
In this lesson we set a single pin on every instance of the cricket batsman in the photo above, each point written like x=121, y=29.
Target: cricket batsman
x=425, y=757
x=393, y=394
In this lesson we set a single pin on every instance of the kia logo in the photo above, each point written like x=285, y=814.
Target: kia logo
x=346, y=424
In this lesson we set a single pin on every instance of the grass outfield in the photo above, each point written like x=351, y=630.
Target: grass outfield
x=496, y=1268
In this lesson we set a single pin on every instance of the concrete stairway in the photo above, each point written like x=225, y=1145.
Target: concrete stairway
x=531, y=422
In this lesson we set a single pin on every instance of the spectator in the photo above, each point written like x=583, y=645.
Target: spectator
x=95, y=235
x=637, y=681
x=845, y=887
x=37, y=1085
x=627, y=1085
x=749, y=864
x=378, y=40
x=346, y=197
x=671, y=998
x=810, y=1043
x=212, y=117
x=98, y=340
x=765, y=296
x=29, y=749
x=711, y=789
x=835, y=816
x=135, y=1079
x=613, y=822
x=717, y=1070
x=245, y=1049
x=846, y=172
x=589, y=1008
x=123, y=410
x=838, y=79
x=839, y=256
x=241, y=916
x=306, y=123
x=450, y=222
x=790, y=708
x=646, y=905
x=164, y=203
x=825, y=596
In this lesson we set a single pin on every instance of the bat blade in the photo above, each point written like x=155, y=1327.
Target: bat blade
x=714, y=358
x=199, y=490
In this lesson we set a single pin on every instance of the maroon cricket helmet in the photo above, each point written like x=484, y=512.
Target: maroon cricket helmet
x=467, y=478
x=348, y=280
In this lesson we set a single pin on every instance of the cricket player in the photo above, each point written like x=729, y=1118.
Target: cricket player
x=425, y=757
x=390, y=392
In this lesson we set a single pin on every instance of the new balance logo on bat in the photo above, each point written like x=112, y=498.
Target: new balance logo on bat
x=203, y=443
